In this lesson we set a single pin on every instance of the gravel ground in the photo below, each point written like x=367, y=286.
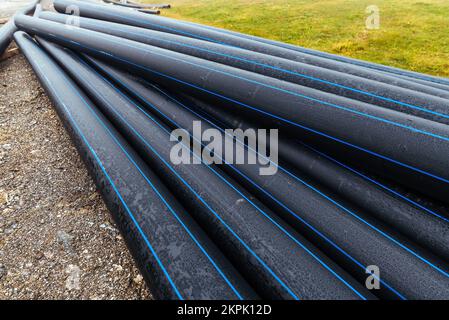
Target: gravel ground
x=57, y=240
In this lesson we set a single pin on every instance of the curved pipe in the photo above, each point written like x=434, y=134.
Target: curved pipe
x=155, y=227
x=274, y=259
x=369, y=91
x=346, y=236
x=104, y=12
x=419, y=147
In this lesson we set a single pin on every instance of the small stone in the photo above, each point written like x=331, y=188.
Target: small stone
x=138, y=279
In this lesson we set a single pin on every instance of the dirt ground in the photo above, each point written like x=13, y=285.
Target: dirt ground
x=57, y=240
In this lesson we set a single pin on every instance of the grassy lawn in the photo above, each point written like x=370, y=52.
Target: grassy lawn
x=413, y=34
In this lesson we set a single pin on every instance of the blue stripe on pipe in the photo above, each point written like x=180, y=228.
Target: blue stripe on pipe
x=310, y=147
x=321, y=55
x=275, y=116
x=221, y=177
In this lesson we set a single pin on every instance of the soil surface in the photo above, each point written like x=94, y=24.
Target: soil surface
x=57, y=239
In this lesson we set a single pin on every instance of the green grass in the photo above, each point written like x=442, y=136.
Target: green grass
x=413, y=34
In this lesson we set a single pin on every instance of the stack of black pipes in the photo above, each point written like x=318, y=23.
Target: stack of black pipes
x=361, y=185
x=8, y=29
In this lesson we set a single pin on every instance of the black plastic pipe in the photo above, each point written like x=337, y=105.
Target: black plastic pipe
x=345, y=235
x=397, y=98
x=418, y=146
x=274, y=259
x=177, y=260
x=104, y=12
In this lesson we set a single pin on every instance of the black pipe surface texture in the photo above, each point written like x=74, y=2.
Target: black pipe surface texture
x=344, y=233
x=377, y=93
